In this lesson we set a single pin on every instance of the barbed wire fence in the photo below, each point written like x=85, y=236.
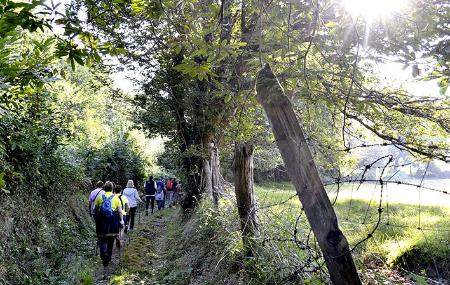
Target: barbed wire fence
x=287, y=244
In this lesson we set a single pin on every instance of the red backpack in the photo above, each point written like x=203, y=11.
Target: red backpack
x=169, y=185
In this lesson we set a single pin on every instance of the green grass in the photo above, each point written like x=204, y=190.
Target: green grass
x=86, y=277
x=151, y=257
x=396, y=242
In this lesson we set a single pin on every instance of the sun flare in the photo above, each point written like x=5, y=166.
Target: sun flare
x=371, y=9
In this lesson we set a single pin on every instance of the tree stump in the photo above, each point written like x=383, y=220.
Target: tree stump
x=245, y=198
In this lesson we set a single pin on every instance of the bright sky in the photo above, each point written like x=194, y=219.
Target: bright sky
x=397, y=76
x=370, y=9
x=394, y=73
x=121, y=80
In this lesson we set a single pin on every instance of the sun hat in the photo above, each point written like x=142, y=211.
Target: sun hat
x=130, y=184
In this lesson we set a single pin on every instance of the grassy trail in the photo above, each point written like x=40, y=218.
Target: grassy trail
x=143, y=258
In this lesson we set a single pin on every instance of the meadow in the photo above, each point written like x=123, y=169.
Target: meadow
x=411, y=234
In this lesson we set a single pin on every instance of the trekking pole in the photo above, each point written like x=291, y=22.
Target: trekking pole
x=120, y=245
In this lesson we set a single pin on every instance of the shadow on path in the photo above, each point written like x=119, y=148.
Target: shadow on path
x=142, y=256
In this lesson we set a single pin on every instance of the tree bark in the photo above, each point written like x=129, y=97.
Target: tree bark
x=207, y=180
x=305, y=177
x=245, y=198
x=216, y=183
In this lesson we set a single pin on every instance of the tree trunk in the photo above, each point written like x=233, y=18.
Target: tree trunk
x=305, y=177
x=245, y=198
x=191, y=189
x=211, y=175
x=207, y=180
x=216, y=183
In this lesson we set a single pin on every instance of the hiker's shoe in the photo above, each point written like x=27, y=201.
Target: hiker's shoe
x=105, y=272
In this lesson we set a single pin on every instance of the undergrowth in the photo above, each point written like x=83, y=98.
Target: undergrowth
x=46, y=241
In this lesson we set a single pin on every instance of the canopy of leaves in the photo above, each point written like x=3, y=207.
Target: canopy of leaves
x=200, y=57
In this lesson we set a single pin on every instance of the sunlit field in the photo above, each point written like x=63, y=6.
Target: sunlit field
x=392, y=192
x=414, y=226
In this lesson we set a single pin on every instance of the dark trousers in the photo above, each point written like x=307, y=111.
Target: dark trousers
x=132, y=214
x=105, y=245
x=160, y=204
x=149, y=200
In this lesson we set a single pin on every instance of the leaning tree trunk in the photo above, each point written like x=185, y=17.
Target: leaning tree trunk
x=305, y=177
x=245, y=198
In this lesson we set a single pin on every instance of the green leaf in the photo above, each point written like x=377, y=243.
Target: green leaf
x=331, y=25
x=419, y=279
x=2, y=180
x=443, y=85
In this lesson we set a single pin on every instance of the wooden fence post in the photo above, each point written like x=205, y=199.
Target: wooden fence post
x=245, y=198
x=216, y=183
x=305, y=177
x=211, y=174
x=206, y=178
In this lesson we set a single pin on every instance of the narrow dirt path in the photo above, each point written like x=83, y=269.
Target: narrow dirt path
x=114, y=265
x=142, y=257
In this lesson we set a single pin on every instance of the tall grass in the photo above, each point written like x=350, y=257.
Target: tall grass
x=411, y=237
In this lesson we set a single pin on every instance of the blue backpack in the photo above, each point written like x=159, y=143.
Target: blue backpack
x=106, y=208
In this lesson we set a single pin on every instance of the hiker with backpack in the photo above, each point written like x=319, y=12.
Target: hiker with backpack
x=93, y=195
x=109, y=218
x=133, y=199
x=169, y=191
x=150, y=191
x=159, y=195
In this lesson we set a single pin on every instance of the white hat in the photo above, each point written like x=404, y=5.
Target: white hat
x=130, y=184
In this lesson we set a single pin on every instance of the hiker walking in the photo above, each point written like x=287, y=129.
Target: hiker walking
x=125, y=209
x=161, y=185
x=150, y=190
x=109, y=218
x=169, y=190
x=98, y=191
x=159, y=196
x=133, y=198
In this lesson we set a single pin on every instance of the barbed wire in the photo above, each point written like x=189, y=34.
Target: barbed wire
x=296, y=232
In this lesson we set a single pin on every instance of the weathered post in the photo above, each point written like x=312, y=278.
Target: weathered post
x=207, y=180
x=245, y=198
x=216, y=184
x=304, y=175
x=211, y=174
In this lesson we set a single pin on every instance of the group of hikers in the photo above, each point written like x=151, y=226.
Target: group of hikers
x=114, y=209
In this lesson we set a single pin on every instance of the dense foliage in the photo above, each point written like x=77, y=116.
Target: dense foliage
x=60, y=130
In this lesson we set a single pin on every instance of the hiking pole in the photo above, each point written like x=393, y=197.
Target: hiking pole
x=120, y=245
